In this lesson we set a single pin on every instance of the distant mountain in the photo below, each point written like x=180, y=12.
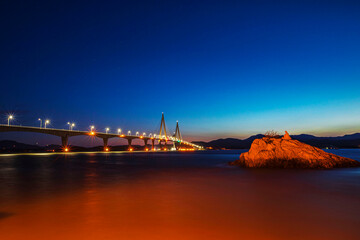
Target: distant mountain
x=351, y=136
x=7, y=145
x=346, y=141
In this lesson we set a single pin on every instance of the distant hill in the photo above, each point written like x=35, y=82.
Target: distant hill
x=7, y=145
x=346, y=141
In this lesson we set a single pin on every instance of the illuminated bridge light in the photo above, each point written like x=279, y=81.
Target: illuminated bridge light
x=46, y=122
x=10, y=117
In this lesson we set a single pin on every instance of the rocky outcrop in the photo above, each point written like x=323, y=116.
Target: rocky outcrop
x=286, y=136
x=285, y=152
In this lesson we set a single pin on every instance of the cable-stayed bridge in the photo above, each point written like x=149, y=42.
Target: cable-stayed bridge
x=161, y=139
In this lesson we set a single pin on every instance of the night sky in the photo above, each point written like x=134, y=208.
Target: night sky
x=222, y=68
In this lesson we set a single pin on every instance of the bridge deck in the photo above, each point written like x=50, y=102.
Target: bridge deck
x=63, y=133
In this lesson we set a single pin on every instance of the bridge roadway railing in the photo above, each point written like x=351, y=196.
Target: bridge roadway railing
x=65, y=134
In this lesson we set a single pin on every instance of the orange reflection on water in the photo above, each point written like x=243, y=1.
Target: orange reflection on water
x=185, y=205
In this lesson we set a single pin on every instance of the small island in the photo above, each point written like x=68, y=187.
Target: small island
x=274, y=151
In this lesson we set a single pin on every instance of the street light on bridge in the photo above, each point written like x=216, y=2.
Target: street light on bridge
x=46, y=122
x=129, y=132
x=137, y=134
x=10, y=117
x=119, y=131
x=71, y=125
x=91, y=130
x=107, y=130
x=40, y=122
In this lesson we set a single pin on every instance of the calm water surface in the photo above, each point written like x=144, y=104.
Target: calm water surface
x=173, y=196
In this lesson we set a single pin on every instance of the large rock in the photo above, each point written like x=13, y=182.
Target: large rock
x=285, y=152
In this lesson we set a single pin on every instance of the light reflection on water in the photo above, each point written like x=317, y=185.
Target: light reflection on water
x=173, y=196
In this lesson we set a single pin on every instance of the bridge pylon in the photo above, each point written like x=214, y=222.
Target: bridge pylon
x=162, y=127
x=163, y=133
x=177, y=132
x=177, y=136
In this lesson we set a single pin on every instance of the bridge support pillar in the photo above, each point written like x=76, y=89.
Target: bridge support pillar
x=129, y=144
x=146, y=144
x=162, y=146
x=64, y=141
x=106, y=140
x=153, y=144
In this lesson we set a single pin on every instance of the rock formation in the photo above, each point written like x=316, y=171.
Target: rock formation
x=286, y=136
x=272, y=152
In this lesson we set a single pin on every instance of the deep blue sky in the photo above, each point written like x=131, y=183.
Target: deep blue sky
x=222, y=68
